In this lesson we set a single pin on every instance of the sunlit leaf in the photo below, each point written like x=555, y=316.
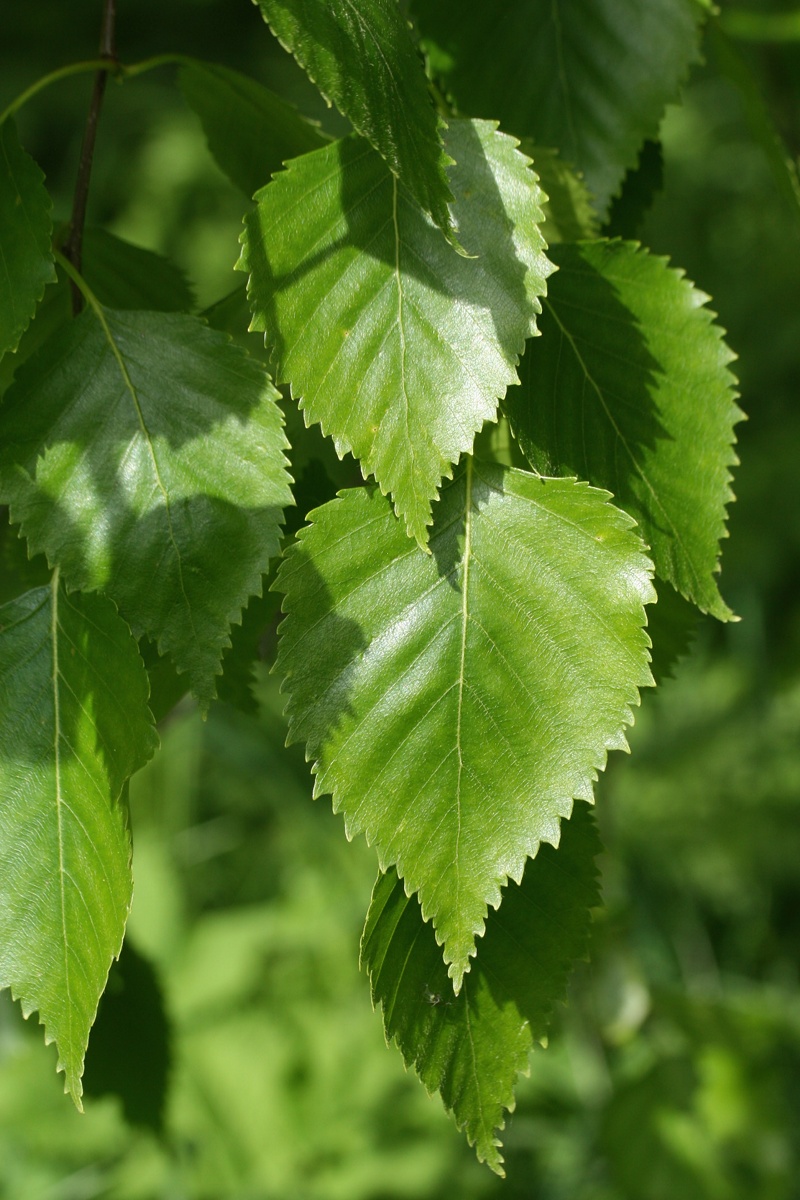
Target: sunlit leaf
x=74, y=724
x=455, y=703
x=361, y=56
x=399, y=348
x=471, y=1048
x=144, y=454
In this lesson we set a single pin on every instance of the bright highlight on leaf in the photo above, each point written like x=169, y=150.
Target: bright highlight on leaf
x=250, y=131
x=591, y=77
x=471, y=1048
x=26, y=259
x=629, y=387
x=455, y=703
x=74, y=725
x=143, y=453
x=398, y=347
x=361, y=56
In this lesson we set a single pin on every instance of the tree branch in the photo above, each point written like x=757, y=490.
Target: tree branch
x=73, y=247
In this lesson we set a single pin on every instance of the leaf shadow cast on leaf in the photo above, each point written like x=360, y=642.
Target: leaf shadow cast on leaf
x=331, y=648
x=472, y=1047
x=366, y=181
x=582, y=409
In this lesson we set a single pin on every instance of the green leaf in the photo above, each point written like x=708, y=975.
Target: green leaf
x=567, y=204
x=74, y=725
x=361, y=56
x=471, y=1048
x=397, y=347
x=455, y=703
x=629, y=387
x=590, y=77
x=26, y=257
x=250, y=131
x=143, y=453
x=762, y=126
x=122, y=275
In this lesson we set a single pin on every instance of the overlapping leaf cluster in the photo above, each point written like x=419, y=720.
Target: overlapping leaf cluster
x=466, y=635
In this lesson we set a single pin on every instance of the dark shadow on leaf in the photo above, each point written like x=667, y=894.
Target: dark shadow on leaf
x=494, y=280
x=522, y=965
x=582, y=408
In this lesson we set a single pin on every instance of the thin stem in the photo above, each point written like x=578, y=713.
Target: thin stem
x=77, y=281
x=117, y=69
x=73, y=247
x=78, y=68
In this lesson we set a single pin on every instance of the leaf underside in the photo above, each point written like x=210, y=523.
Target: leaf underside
x=26, y=258
x=398, y=347
x=65, y=884
x=143, y=453
x=362, y=57
x=471, y=1048
x=455, y=703
x=630, y=387
x=591, y=77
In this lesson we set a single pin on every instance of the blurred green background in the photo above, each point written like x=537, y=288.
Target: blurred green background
x=253, y=1066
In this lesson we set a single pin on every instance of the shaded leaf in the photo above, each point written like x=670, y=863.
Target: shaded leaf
x=144, y=454
x=629, y=387
x=640, y=187
x=471, y=1048
x=567, y=206
x=762, y=126
x=590, y=77
x=26, y=257
x=129, y=1052
x=397, y=347
x=455, y=703
x=74, y=725
x=361, y=56
x=122, y=275
x=250, y=131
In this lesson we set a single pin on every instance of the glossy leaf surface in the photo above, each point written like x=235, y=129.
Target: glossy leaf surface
x=144, y=454
x=26, y=259
x=398, y=347
x=591, y=77
x=472, y=1047
x=74, y=725
x=250, y=131
x=455, y=703
x=629, y=387
x=361, y=56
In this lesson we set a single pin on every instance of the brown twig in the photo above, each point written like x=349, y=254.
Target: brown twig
x=73, y=247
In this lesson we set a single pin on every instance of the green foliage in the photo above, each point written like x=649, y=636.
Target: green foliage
x=397, y=347
x=397, y=665
x=25, y=220
x=362, y=58
x=591, y=77
x=64, y=834
x=471, y=1048
x=135, y=446
x=464, y=639
x=629, y=388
